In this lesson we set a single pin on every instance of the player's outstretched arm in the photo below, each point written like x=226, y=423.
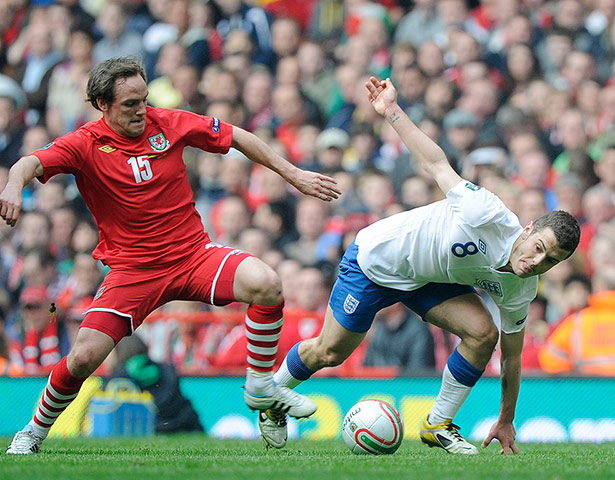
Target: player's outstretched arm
x=383, y=97
x=503, y=429
x=310, y=183
x=20, y=174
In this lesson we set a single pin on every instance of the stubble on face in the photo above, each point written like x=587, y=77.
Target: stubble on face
x=126, y=115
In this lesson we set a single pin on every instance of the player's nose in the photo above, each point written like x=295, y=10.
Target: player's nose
x=538, y=259
x=142, y=110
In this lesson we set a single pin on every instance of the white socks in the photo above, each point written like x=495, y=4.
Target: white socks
x=284, y=378
x=259, y=384
x=449, y=400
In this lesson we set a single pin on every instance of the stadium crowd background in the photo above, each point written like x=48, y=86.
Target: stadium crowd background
x=520, y=94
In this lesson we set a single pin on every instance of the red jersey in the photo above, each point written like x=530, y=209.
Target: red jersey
x=136, y=187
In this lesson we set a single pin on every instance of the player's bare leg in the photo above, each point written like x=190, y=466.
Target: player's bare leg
x=467, y=317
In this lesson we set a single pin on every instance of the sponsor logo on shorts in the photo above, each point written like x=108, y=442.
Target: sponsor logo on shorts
x=521, y=322
x=350, y=304
x=47, y=146
x=159, y=142
x=216, y=125
x=101, y=290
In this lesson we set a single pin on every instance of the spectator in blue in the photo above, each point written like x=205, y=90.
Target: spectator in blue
x=257, y=22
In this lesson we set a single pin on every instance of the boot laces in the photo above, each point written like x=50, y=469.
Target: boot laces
x=454, y=431
x=278, y=416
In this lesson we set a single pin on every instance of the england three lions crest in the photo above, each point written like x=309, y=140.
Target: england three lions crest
x=350, y=304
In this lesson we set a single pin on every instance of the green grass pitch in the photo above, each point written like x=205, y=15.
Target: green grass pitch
x=198, y=457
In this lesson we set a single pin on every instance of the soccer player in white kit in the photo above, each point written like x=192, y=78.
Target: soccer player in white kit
x=431, y=258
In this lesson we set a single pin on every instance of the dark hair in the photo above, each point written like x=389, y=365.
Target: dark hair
x=565, y=227
x=101, y=84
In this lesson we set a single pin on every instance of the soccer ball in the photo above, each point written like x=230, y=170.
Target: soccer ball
x=373, y=427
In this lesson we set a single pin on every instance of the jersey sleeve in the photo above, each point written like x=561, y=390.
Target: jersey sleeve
x=513, y=321
x=207, y=133
x=63, y=155
x=515, y=305
x=477, y=206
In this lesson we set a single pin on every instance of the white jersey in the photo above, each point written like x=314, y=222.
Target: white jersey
x=462, y=239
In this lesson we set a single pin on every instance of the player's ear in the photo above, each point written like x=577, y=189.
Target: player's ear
x=528, y=229
x=102, y=105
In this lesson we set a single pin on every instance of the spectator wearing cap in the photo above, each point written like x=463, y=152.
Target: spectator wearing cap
x=484, y=161
x=331, y=144
x=43, y=337
x=460, y=134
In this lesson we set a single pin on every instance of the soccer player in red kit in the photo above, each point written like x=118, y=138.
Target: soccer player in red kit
x=128, y=167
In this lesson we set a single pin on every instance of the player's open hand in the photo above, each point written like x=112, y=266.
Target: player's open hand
x=316, y=184
x=381, y=94
x=505, y=433
x=10, y=204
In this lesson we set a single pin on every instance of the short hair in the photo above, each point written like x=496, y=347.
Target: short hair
x=565, y=227
x=101, y=83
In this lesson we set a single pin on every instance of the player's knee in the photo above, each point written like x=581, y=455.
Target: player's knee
x=83, y=361
x=489, y=337
x=267, y=288
x=483, y=338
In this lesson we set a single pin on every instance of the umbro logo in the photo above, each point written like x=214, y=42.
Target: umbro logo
x=107, y=149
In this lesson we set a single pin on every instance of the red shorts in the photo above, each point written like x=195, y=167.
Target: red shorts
x=131, y=294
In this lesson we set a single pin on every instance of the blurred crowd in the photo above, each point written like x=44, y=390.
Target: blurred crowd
x=519, y=93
